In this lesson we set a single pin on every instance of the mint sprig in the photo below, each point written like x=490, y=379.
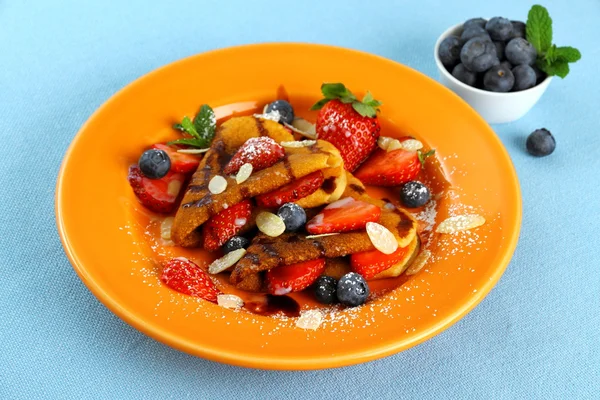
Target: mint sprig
x=551, y=59
x=200, y=131
x=368, y=107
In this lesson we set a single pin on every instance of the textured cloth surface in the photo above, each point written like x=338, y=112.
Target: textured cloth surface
x=537, y=334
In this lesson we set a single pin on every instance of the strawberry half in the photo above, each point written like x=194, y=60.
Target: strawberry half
x=158, y=195
x=180, y=162
x=389, y=168
x=347, y=123
x=186, y=277
x=295, y=277
x=343, y=215
x=261, y=152
x=293, y=191
x=226, y=224
x=370, y=263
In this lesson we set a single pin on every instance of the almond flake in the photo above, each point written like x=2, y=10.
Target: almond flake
x=303, y=127
x=310, y=319
x=174, y=188
x=382, y=238
x=460, y=223
x=217, y=184
x=419, y=262
x=228, y=260
x=395, y=144
x=230, y=301
x=321, y=235
x=193, y=151
x=244, y=173
x=412, y=145
x=270, y=224
x=165, y=228
x=383, y=142
x=274, y=115
x=299, y=143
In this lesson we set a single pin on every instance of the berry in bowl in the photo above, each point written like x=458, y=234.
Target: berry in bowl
x=502, y=67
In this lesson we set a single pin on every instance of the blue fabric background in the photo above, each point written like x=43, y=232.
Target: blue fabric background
x=537, y=335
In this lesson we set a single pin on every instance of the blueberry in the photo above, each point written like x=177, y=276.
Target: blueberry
x=499, y=28
x=500, y=46
x=541, y=143
x=524, y=77
x=520, y=51
x=352, y=289
x=474, y=31
x=480, y=22
x=519, y=29
x=479, y=55
x=449, y=51
x=539, y=74
x=467, y=77
x=293, y=216
x=414, y=194
x=285, y=110
x=506, y=64
x=154, y=163
x=235, y=243
x=325, y=289
x=498, y=79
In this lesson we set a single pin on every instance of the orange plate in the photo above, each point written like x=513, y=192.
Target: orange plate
x=96, y=211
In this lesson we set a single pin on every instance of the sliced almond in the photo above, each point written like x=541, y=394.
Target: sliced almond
x=321, y=235
x=270, y=224
x=230, y=301
x=299, y=143
x=174, y=188
x=303, y=127
x=384, y=141
x=227, y=261
x=412, y=145
x=165, y=228
x=193, y=151
x=244, y=173
x=394, y=145
x=419, y=262
x=217, y=184
x=274, y=115
x=382, y=238
x=460, y=223
x=310, y=319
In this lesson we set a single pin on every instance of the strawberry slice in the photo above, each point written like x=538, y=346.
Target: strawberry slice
x=343, y=215
x=391, y=168
x=370, y=263
x=261, y=152
x=292, y=191
x=225, y=225
x=180, y=162
x=158, y=195
x=186, y=277
x=295, y=277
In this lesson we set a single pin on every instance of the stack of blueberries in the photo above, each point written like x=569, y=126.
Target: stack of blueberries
x=492, y=55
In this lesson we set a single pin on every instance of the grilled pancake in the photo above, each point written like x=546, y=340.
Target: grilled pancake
x=199, y=204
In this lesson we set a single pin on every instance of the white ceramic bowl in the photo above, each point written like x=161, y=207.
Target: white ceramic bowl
x=494, y=107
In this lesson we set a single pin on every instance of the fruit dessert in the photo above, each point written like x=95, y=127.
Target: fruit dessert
x=286, y=206
x=500, y=55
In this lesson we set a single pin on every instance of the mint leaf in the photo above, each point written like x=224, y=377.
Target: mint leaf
x=539, y=28
x=364, y=109
x=567, y=53
x=558, y=68
x=188, y=127
x=179, y=127
x=205, y=123
x=550, y=55
x=319, y=104
x=189, y=142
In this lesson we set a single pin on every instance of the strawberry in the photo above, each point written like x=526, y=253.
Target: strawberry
x=292, y=191
x=343, y=215
x=158, y=195
x=186, y=277
x=295, y=277
x=370, y=263
x=350, y=125
x=261, y=152
x=226, y=224
x=180, y=162
x=389, y=168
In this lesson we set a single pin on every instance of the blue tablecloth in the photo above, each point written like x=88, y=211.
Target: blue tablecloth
x=537, y=335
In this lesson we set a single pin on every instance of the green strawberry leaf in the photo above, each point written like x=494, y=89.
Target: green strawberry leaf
x=337, y=91
x=567, y=53
x=559, y=68
x=539, y=28
x=319, y=104
x=364, y=109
